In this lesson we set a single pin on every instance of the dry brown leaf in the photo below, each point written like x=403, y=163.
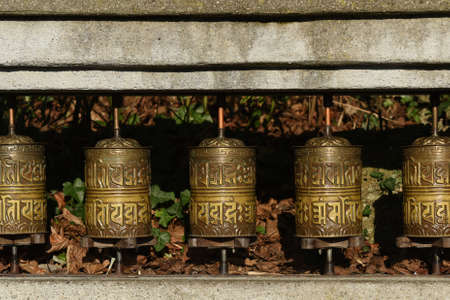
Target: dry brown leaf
x=176, y=232
x=71, y=218
x=75, y=255
x=31, y=267
x=59, y=197
x=3, y=267
x=95, y=268
x=57, y=240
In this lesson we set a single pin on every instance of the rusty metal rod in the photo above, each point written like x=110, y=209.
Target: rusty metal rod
x=11, y=121
x=116, y=122
x=223, y=268
x=328, y=102
x=435, y=99
x=14, y=260
x=220, y=117
x=329, y=262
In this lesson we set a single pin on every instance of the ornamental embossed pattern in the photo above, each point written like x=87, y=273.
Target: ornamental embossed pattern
x=223, y=200
x=23, y=207
x=426, y=191
x=328, y=191
x=117, y=192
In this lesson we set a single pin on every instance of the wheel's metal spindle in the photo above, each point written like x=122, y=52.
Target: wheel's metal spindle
x=11, y=121
x=14, y=260
x=329, y=262
x=436, y=262
x=223, y=262
x=119, y=265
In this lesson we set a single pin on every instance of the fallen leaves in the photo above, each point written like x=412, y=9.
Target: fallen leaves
x=66, y=231
x=96, y=267
x=31, y=267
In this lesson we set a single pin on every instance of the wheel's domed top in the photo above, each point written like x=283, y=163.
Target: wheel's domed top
x=118, y=142
x=221, y=142
x=13, y=139
x=329, y=140
x=434, y=140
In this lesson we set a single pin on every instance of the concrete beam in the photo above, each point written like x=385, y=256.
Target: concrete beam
x=230, y=45
x=243, y=81
x=230, y=287
x=219, y=7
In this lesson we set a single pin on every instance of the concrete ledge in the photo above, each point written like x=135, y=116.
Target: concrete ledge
x=212, y=45
x=231, y=287
x=218, y=7
x=245, y=81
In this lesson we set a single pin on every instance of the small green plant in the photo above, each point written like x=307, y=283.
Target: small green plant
x=386, y=184
x=261, y=229
x=192, y=112
x=366, y=234
x=366, y=211
x=162, y=238
x=414, y=111
x=167, y=207
x=74, y=194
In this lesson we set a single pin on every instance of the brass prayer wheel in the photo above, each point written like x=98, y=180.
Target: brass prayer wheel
x=328, y=188
x=23, y=206
x=223, y=196
x=117, y=172
x=426, y=187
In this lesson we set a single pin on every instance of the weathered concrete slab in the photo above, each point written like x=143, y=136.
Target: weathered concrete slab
x=218, y=7
x=231, y=287
x=231, y=81
x=231, y=45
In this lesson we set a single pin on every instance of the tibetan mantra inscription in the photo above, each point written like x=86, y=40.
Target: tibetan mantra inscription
x=328, y=191
x=23, y=207
x=117, y=193
x=426, y=191
x=223, y=199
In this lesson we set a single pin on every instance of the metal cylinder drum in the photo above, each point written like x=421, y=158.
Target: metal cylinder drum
x=223, y=196
x=117, y=173
x=328, y=188
x=23, y=205
x=426, y=188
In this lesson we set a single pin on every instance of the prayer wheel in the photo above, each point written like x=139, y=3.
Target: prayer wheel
x=426, y=188
x=222, y=179
x=23, y=207
x=117, y=172
x=328, y=188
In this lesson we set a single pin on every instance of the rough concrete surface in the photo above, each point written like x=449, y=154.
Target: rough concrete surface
x=218, y=7
x=143, y=44
x=230, y=287
x=230, y=81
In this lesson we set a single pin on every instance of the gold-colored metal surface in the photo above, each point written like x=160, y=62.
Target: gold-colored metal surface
x=117, y=173
x=222, y=179
x=23, y=206
x=426, y=187
x=328, y=188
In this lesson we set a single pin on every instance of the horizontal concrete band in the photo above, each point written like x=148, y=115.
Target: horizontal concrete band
x=231, y=81
x=230, y=287
x=217, y=7
x=172, y=45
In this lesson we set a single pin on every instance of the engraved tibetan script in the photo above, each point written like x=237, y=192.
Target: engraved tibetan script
x=220, y=213
x=31, y=171
x=344, y=211
x=317, y=174
x=104, y=214
x=233, y=173
x=425, y=173
x=110, y=175
x=16, y=211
